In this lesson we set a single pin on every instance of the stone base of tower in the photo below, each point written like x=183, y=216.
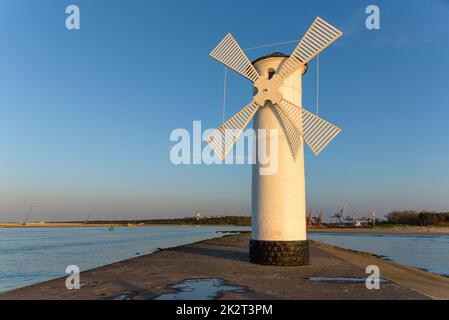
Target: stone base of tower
x=279, y=253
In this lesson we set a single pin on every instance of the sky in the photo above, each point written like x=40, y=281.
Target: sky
x=86, y=115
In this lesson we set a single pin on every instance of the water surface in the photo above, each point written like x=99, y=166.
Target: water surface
x=32, y=255
x=428, y=252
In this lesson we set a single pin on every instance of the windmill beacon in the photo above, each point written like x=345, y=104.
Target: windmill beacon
x=278, y=200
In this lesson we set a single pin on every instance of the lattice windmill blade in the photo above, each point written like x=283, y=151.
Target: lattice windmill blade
x=319, y=36
x=291, y=132
x=231, y=55
x=222, y=140
x=317, y=133
x=293, y=112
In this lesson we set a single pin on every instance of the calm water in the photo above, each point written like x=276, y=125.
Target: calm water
x=430, y=252
x=34, y=255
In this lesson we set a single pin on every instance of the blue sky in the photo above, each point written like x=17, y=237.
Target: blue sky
x=85, y=116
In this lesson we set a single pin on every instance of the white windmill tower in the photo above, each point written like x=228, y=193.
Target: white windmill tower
x=278, y=200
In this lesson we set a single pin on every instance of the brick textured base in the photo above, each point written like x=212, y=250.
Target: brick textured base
x=279, y=253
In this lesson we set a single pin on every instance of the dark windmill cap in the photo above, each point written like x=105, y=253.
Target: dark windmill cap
x=276, y=54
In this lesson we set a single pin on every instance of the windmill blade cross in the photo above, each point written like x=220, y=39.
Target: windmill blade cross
x=222, y=140
x=319, y=36
x=229, y=53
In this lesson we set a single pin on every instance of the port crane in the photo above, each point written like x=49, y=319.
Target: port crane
x=30, y=209
x=88, y=217
x=340, y=214
x=310, y=218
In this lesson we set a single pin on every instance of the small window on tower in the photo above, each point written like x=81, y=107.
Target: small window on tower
x=271, y=73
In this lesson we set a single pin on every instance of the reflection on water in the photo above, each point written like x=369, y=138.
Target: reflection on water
x=428, y=252
x=32, y=255
x=199, y=289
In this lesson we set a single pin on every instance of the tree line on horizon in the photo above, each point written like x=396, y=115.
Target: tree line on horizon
x=407, y=217
x=418, y=218
x=222, y=220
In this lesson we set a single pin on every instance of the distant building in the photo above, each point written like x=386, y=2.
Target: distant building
x=198, y=217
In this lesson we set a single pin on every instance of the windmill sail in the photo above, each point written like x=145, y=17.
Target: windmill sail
x=319, y=36
x=231, y=55
x=318, y=133
x=222, y=140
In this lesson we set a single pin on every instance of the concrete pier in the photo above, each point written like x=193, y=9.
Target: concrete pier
x=226, y=258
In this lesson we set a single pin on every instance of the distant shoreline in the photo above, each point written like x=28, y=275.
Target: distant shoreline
x=105, y=225
x=416, y=230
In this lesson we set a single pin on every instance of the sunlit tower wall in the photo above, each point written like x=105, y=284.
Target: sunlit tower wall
x=279, y=200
